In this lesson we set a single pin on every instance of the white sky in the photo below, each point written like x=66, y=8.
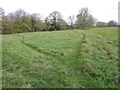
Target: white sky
x=103, y=10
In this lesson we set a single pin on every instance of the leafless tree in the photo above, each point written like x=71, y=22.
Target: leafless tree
x=72, y=18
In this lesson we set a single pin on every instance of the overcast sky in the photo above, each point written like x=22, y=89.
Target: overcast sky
x=103, y=10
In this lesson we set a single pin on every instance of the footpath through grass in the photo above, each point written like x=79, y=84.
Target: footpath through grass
x=61, y=59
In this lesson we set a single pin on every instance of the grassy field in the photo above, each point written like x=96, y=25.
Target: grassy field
x=61, y=59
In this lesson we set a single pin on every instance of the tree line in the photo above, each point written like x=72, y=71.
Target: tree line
x=20, y=21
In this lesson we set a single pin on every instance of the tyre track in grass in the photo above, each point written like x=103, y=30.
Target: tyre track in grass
x=78, y=48
x=39, y=50
x=74, y=58
x=79, y=45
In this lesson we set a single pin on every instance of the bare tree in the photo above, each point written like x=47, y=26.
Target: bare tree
x=37, y=23
x=84, y=19
x=18, y=16
x=61, y=23
x=47, y=24
x=54, y=17
x=72, y=18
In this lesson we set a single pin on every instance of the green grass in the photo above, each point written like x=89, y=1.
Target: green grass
x=61, y=59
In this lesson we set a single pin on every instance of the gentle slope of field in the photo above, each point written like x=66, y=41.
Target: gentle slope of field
x=70, y=59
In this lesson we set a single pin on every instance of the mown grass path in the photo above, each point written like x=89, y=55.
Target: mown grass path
x=77, y=48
